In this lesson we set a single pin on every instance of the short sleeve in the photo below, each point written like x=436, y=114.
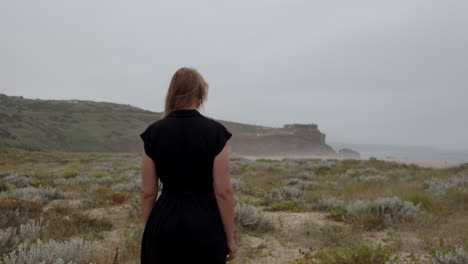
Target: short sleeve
x=223, y=135
x=147, y=141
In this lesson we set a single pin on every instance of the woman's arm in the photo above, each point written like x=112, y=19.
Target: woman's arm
x=223, y=190
x=149, y=185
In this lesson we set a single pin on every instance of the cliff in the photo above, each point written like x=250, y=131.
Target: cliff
x=291, y=139
x=89, y=126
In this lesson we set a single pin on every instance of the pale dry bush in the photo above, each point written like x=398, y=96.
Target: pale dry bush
x=310, y=164
x=457, y=256
x=402, y=173
x=62, y=181
x=13, y=236
x=306, y=175
x=32, y=230
x=392, y=208
x=371, y=178
x=134, y=207
x=284, y=194
x=238, y=185
x=359, y=172
x=437, y=186
x=252, y=173
x=105, y=167
x=127, y=187
x=302, y=184
x=246, y=214
x=73, y=181
x=321, y=164
x=286, y=164
x=8, y=239
x=38, y=194
x=76, y=250
x=93, y=188
x=249, y=217
x=238, y=166
x=328, y=203
x=459, y=183
x=129, y=174
x=330, y=183
x=105, y=179
x=19, y=181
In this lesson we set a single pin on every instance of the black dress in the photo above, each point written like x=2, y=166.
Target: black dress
x=184, y=225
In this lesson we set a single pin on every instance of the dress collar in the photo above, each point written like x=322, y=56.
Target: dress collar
x=184, y=112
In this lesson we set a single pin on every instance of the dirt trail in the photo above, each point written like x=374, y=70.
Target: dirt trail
x=280, y=251
x=118, y=216
x=271, y=248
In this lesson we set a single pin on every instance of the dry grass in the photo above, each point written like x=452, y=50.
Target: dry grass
x=100, y=201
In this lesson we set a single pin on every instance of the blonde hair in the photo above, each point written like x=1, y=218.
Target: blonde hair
x=186, y=88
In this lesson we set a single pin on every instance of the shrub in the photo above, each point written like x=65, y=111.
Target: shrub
x=238, y=166
x=284, y=206
x=440, y=187
x=361, y=253
x=135, y=208
x=426, y=203
x=132, y=242
x=382, y=211
x=100, y=174
x=126, y=187
x=69, y=172
x=104, y=180
x=371, y=178
x=67, y=226
x=10, y=238
x=284, y=194
x=37, y=194
x=130, y=174
x=32, y=231
x=15, y=212
x=331, y=234
x=249, y=217
x=238, y=185
x=325, y=204
x=436, y=186
x=390, y=206
x=337, y=214
x=302, y=184
x=17, y=180
x=76, y=250
x=459, y=183
x=306, y=175
x=350, y=173
x=117, y=197
x=456, y=256
x=37, y=183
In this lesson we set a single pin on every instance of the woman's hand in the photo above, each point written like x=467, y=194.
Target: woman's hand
x=232, y=249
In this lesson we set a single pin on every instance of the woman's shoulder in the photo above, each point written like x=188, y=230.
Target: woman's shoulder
x=152, y=127
x=212, y=121
x=214, y=125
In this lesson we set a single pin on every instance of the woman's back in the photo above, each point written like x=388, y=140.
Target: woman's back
x=183, y=146
x=185, y=224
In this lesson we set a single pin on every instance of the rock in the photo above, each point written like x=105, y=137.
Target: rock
x=349, y=153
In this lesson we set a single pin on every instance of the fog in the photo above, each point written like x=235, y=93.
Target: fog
x=367, y=72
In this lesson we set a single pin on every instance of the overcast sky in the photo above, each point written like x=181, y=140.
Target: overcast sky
x=386, y=72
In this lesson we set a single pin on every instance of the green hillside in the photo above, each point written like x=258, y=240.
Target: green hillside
x=76, y=125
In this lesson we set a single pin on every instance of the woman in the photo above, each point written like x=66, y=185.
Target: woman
x=192, y=221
